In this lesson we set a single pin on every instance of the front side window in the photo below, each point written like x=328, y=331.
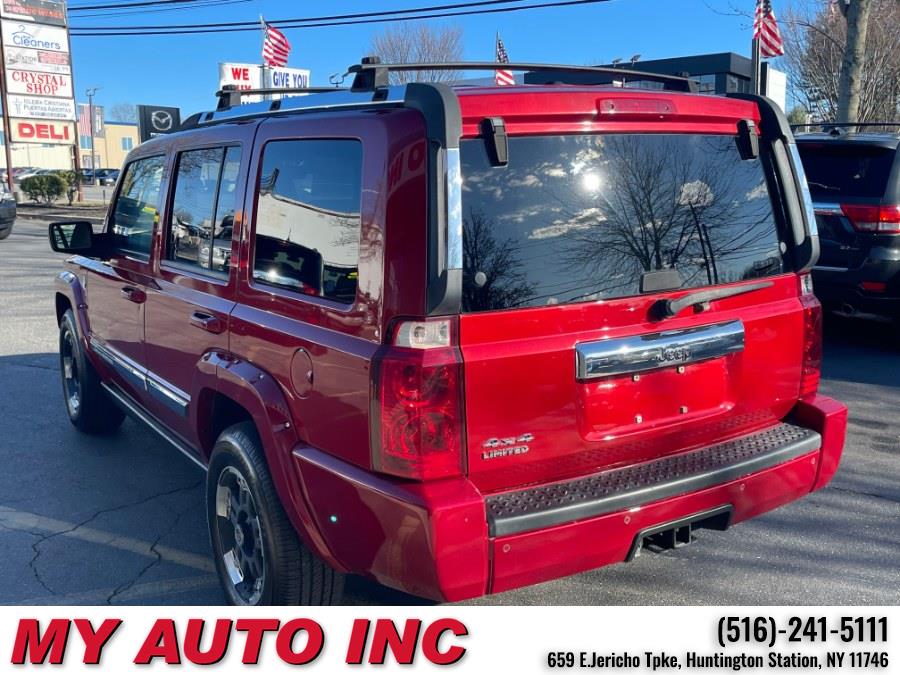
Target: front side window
x=308, y=217
x=137, y=204
x=586, y=217
x=202, y=216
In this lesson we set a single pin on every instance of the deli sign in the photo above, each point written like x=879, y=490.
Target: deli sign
x=42, y=131
x=41, y=84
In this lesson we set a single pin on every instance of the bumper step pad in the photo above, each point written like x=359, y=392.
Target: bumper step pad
x=631, y=486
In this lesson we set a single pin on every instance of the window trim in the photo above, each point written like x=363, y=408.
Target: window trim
x=219, y=277
x=283, y=291
x=120, y=185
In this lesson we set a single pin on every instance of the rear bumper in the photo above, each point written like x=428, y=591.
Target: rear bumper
x=441, y=540
x=839, y=287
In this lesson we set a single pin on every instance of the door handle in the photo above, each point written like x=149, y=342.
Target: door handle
x=208, y=322
x=133, y=294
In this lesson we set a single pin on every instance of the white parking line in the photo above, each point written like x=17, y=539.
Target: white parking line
x=24, y=521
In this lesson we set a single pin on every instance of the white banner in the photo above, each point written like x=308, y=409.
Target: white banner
x=34, y=36
x=286, y=78
x=37, y=60
x=242, y=76
x=41, y=107
x=42, y=84
x=42, y=131
x=479, y=640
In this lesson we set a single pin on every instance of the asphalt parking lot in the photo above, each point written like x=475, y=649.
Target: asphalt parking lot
x=121, y=519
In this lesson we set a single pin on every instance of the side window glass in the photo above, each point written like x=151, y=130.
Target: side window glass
x=308, y=217
x=219, y=253
x=136, y=205
x=193, y=209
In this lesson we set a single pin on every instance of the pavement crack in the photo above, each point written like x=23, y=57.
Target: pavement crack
x=36, y=546
x=122, y=588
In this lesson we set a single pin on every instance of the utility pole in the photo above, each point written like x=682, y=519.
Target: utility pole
x=90, y=93
x=850, y=84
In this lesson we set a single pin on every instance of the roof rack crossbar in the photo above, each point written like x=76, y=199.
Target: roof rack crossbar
x=229, y=95
x=370, y=73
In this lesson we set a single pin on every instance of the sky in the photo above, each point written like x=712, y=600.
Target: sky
x=182, y=70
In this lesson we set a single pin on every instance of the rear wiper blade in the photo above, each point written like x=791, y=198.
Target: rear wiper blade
x=666, y=309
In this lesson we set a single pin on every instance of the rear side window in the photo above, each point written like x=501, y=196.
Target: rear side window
x=835, y=171
x=308, y=217
x=200, y=226
x=136, y=205
x=584, y=217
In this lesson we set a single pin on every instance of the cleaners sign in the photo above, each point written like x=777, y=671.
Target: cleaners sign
x=34, y=36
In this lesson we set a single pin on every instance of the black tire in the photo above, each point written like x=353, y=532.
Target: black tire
x=90, y=408
x=248, y=519
x=5, y=233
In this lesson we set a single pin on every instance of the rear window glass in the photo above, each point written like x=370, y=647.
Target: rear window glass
x=835, y=171
x=580, y=218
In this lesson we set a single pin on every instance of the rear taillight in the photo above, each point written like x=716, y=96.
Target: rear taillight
x=812, y=338
x=418, y=426
x=874, y=219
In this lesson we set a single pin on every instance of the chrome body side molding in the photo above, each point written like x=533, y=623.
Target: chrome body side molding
x=169, y=395
x=639, y=353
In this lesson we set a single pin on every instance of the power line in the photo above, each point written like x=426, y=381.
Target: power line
x=334, y=17
x=200, y=5
x=128, y=5
x=112, y=31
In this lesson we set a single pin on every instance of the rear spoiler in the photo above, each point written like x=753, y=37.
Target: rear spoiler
x=775, y=128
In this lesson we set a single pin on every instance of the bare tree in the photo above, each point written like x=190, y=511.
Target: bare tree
x=417, y=42
x=123, y=112
x=815, y=45
x=854, y=58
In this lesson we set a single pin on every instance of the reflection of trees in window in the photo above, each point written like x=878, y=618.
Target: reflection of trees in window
x=503, y=283
x=584, y=217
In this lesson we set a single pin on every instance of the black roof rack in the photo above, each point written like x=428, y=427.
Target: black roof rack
x=371, y=73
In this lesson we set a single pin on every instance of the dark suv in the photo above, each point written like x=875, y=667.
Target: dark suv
x=854, y=179
x=459, y=339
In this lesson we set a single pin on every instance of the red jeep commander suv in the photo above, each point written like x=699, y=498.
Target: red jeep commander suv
x=459, y=339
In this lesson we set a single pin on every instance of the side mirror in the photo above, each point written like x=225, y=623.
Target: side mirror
x=75, y=236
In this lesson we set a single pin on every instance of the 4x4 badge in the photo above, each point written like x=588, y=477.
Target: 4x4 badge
x=504, y=447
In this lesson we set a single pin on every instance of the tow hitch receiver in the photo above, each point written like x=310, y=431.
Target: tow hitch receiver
x=679, y=533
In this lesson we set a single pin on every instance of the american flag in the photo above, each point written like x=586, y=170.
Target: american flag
x=502, y=77
x=765, y=29
x=275, y=46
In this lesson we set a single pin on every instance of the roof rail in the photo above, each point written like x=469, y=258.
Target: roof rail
x=229, y=95
x=837, y=128
x=371, y=73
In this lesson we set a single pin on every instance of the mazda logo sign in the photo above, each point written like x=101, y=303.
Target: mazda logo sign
x=161, y=120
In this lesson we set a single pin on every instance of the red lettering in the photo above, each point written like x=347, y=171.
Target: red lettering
x=358, y=635
x=95, y=641
x=161, y=643
x=31, y=645
x=255, y=629
x=43, y=131
x=240, y=74
x=387, y=636
x=26, y=130
x=432, y=638
x=194, y=636
x=284, y=643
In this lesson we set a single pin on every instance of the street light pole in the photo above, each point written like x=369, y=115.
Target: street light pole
x=90, y=93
